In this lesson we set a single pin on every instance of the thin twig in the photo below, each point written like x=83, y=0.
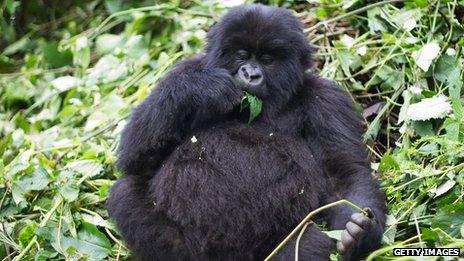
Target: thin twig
x=308, y=219
x=297, y=244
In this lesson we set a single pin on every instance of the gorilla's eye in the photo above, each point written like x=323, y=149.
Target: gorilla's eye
x=266, y=58
x=242, y=55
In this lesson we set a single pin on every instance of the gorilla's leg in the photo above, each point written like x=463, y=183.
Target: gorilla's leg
x=149, y=233
x=313, y=245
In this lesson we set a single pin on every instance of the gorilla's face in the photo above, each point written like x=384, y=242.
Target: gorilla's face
x=255, y=69
x=250, y=74
x=263, y=47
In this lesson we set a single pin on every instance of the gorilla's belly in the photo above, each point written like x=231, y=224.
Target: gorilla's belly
x=223, y=179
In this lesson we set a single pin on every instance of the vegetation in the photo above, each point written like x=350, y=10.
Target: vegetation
x=70, y=72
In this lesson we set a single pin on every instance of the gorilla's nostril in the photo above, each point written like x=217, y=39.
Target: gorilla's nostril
x=245, y=73
x=250, y=74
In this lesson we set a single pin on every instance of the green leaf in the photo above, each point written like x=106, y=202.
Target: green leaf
x=448, y=71
x=44, y=255
x=103, y=190
x=93, y=242
x=335, y=234
x=388, y=162
x=390, y=78
x=373, y=130
x=18, y=193
x=27, y=233
x=89, y=242
x=426, y=55
x=11, y=6
x=109, y=109
x=254, y=103
x=95, y=219
x=106, y=43
x=5, y=143
x=37, y=180
x=450, y=219
x=136, y=48
x=114, y=6
x=87, y=168
x=429, y=235
x=16, y=95
x=389, y=235
x=390, y=231
x=423, y=128
x=406, y=19
x=70, y=191
x=54, y=57
x=422, y=3
x=81, y=54
x=91, y=234
x=452, y=128
x=430, y=149
x=17, y=46
x=374, y=22
x=348, y=61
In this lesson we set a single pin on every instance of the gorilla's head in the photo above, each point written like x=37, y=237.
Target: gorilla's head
x=263, y=47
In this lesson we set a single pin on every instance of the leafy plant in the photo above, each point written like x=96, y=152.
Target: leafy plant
x=70, y=74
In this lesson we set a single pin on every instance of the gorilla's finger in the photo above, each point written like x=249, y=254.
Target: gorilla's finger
x=355, y=231
x=340, y=247
x=360, y=220
x=370, y=213
x=347, y=239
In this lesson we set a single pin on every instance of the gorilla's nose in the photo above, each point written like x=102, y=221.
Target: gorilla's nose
x=250, y=74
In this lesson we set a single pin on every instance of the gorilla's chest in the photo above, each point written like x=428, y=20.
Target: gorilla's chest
x=247, y=152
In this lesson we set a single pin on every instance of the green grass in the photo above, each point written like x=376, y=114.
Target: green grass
x=62, y=109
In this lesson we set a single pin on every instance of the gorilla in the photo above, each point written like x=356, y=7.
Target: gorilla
x=201, y=183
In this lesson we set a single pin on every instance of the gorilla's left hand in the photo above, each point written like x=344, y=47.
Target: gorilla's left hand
x=355, y=230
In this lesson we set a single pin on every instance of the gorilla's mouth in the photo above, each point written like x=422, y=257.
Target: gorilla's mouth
x=255, y=89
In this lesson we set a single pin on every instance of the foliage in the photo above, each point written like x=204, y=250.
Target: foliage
x=67, y=86
x=254, y=103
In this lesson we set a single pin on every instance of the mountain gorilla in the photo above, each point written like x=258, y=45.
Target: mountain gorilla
x=202, y=184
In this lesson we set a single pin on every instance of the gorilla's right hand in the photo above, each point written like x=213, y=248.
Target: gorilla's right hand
x=187, y=97
x=218, y=95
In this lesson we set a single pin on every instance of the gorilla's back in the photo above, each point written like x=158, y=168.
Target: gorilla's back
x=222, y=179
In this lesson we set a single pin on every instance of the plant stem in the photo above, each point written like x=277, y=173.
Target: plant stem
x=307, y=219
x=297, y=244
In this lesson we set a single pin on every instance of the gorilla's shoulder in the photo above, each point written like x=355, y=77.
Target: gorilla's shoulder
x=328, y=99
x=195, y=62
x=317, y=87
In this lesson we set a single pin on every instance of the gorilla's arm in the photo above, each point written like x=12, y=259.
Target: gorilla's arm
x=189, y=95
x=334, y=131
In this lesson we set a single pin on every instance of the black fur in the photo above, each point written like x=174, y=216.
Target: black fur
x=237, y=191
